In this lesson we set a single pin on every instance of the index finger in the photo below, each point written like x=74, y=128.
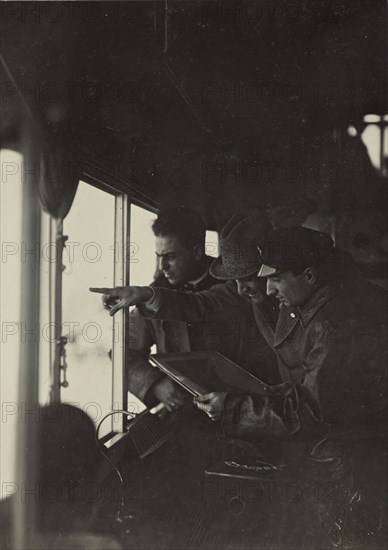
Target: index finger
x=102, y=290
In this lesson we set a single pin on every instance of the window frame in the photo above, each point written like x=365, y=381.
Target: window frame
x=124, y=198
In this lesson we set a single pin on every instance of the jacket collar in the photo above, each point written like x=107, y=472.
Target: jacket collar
x=199, y=280
x=204, y=282
x=290, y=317
x=316, y=301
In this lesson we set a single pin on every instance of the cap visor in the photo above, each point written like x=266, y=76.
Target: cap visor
x=267, y=271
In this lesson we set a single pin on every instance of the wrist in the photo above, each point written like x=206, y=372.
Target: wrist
x=143, y=293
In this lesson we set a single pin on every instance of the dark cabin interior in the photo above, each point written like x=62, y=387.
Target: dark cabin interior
x=213, y=104
x=218, y=105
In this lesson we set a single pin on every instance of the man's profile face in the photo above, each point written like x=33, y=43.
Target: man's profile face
x=291, y=290
x=251, y=287
x=177, y=263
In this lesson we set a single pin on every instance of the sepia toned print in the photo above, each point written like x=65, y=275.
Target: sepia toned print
x=193, y=274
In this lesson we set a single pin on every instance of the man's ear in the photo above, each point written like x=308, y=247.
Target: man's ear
x=198, y=252
x=310, y=275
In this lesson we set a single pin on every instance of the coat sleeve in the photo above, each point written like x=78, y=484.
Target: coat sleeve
x=340, y=392
x=344, y=385
x=290, y=407
x=254, y=416
x=141, y=374
x=207, y=305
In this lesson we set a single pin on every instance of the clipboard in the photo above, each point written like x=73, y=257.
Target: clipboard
x=202, y=372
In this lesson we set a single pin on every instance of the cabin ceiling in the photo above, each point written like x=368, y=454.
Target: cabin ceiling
x=220, y=105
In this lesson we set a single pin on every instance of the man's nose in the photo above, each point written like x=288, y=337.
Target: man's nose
x=163, y=263
x=270, y=287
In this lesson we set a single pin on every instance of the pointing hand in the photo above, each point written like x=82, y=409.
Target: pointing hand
x=119, y=297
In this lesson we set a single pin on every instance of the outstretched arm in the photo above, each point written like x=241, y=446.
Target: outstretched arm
x=209, y=305
x=124, y=296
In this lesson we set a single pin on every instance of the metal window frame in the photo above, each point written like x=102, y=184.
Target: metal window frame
x=124, y=198
x=120, y=278
x=120, y=324
x=123, y=203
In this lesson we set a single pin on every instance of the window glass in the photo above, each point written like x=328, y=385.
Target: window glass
x=143, y=262
x=142, y=246
x=88, y=261
x=371, y=118
x=371, y=138
x=211, y=244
